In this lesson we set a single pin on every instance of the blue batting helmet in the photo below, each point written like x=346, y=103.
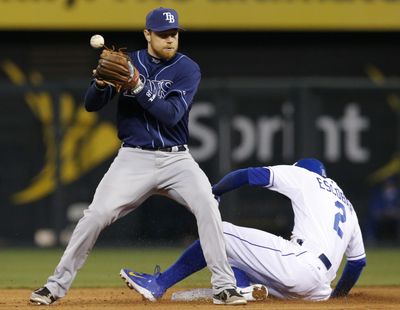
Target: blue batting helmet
x=313, y=165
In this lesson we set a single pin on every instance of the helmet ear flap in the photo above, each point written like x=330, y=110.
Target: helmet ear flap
x=313, y=165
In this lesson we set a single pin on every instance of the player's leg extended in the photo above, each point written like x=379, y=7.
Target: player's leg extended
x=186, y=183
x=153, y=287
x=126, y=184
x=191, y=261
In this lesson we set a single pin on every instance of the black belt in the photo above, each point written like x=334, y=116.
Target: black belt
x=176, y=148
x=325, y=260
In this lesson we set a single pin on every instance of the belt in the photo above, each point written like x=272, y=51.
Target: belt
x=325, y=260
x=175, y=148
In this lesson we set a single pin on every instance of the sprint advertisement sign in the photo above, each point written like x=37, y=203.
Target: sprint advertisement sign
x=202, y=14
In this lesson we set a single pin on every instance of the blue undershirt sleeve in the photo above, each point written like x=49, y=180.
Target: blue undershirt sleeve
x=259, y=176
x=350, y=275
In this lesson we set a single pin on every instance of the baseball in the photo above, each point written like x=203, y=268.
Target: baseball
x=97, y=41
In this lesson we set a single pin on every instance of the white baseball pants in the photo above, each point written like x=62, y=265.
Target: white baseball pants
x=289, y=270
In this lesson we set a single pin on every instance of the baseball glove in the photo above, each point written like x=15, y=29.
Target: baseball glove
x=115, y=68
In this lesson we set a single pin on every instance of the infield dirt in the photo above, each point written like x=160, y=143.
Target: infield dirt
x=123, y=298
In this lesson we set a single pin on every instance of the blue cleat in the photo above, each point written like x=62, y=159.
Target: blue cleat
x=143, y=283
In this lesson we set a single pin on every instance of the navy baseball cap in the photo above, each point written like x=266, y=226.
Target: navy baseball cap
x=162, y=19
x=313, y=165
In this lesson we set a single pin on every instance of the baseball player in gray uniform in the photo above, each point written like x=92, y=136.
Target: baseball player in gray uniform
x=325, y=229
x=154, y=159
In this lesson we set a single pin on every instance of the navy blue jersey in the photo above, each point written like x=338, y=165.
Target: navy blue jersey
x=157, y=116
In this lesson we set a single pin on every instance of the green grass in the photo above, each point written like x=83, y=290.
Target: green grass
x=383, y=268
x=29, y=268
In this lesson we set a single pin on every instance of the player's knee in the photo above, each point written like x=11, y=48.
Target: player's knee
x=206, y=213
x=101, y=218
x=205, y=201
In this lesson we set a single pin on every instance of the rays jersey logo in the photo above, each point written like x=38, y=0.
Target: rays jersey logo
x=159, y=88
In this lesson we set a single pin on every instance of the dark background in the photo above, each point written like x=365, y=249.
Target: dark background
x=244, y=73
x=65, y=55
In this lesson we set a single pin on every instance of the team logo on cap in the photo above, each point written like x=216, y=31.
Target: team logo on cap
x=169, y=17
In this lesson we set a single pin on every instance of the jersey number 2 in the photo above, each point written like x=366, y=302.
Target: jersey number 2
x=339, y=217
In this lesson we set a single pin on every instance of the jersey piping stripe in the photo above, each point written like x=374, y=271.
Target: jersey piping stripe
x=159, y=134
x=264, y=247
x=357, y=256
x=271, y=178
x=183, y=98
x=181, y=95
x=147, y=73
x=155, y=77
x=147, y=122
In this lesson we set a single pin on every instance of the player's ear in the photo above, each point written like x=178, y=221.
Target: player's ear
x=147, y=35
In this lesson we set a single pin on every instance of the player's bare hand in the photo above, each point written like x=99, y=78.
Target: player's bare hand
x=99, y=83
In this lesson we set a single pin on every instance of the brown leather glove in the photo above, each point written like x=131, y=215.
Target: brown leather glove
x=116, y=68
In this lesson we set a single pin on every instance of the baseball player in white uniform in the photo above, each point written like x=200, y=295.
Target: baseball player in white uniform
x=154, y=158
x=325, y=229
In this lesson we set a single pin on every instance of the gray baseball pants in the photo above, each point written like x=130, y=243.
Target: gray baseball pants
x=134, y=176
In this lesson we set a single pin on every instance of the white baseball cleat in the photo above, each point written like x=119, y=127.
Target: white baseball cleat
x=255, y=292
x=229, y=296
x=42, y=296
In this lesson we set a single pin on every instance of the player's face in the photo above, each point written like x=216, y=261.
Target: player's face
x=163, y=44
